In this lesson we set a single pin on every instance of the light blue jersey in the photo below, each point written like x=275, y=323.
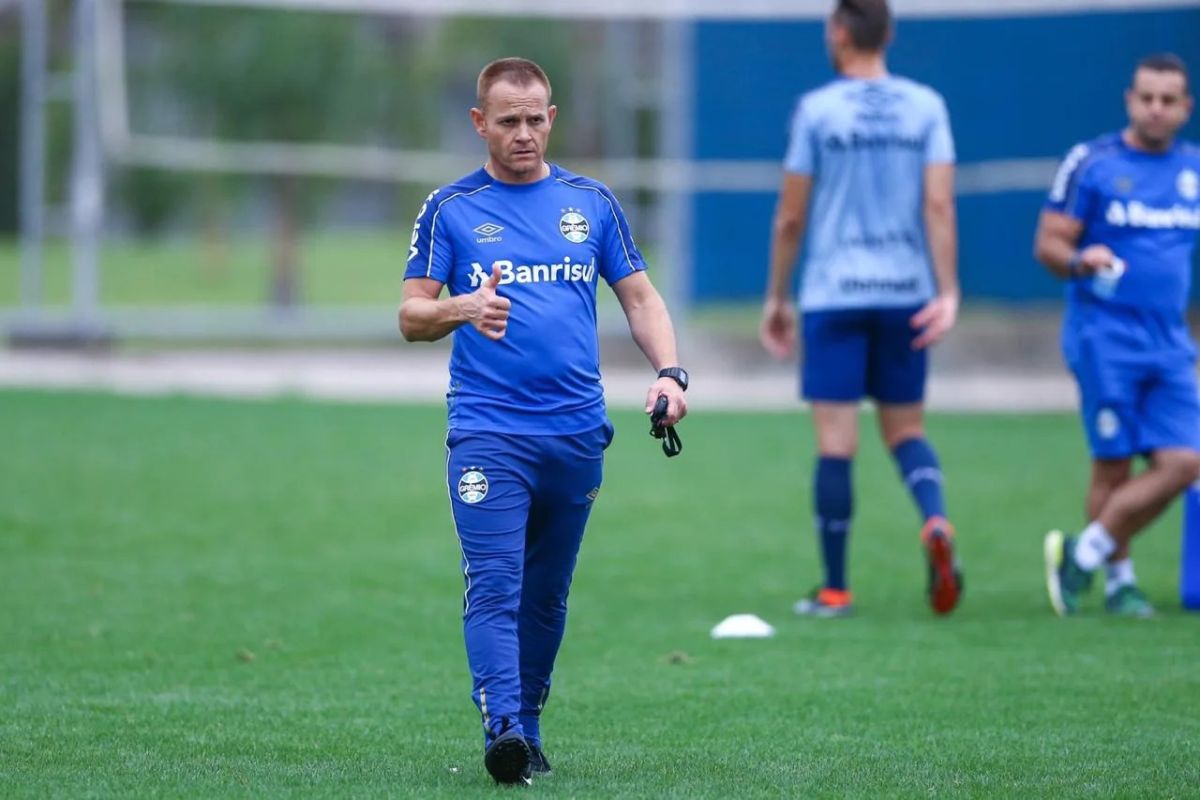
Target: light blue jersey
x=866, y=144
x=552, y=240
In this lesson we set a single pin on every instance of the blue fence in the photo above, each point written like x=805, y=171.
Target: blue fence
x=1016, y=88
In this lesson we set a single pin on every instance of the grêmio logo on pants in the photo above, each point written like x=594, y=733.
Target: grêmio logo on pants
x=473, y=485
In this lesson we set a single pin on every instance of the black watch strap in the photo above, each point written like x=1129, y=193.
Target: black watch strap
x=677, y=374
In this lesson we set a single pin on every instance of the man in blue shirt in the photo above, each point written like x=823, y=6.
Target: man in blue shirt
x=1120, y=226
x=873, y=156
x=520, y=245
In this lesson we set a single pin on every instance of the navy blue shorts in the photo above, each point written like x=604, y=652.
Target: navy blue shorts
x=850, y=354
x=1137, y=381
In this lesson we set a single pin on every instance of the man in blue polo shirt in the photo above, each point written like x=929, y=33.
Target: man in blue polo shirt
x=1120, y=226
x=520, y=244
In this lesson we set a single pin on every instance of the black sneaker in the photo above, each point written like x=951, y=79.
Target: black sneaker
x=538, y=763
x=508, y=758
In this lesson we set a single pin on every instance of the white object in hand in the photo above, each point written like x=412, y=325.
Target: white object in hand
x=1107, y=277
x=742, y=626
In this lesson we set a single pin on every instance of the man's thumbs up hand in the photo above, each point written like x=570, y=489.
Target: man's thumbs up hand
x=485, y=310
x=493, y=281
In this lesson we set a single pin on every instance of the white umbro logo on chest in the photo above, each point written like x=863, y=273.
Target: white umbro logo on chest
x=488, y=232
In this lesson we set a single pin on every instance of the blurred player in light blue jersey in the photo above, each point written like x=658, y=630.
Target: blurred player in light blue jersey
x=521, y=246
x=870, y=172
x=1120, y=226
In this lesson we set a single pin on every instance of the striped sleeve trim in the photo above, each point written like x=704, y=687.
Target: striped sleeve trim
x=434, y=221
x=1066, y=180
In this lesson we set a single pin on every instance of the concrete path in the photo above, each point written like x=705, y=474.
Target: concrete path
x=418, y=374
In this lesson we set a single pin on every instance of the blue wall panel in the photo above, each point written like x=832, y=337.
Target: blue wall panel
x=1016, y=88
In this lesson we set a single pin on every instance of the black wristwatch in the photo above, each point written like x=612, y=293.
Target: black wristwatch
x=677, y=374
x=1073, y=265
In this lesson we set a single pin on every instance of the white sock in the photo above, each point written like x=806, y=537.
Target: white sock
x=1094, y=547
x=1120, y=573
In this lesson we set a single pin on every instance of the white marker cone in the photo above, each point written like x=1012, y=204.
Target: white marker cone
x=742, y=626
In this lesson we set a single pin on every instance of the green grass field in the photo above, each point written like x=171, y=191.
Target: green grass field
x=336, y=269
x=212, y=599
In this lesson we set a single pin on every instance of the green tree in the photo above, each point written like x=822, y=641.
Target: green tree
x=10, y=120
x=255, y=75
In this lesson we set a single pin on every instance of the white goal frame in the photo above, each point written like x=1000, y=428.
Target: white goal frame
x=103, y=136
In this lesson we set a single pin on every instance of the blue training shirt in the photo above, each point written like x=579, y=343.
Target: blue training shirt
x=866, y=144
x=551, y=239
x=1146, y=208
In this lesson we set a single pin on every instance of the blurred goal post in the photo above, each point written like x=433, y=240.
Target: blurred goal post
x=666, y=177
x=671, y=170
x=106, y=137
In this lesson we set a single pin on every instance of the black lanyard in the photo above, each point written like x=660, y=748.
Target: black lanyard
x=672, y=446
